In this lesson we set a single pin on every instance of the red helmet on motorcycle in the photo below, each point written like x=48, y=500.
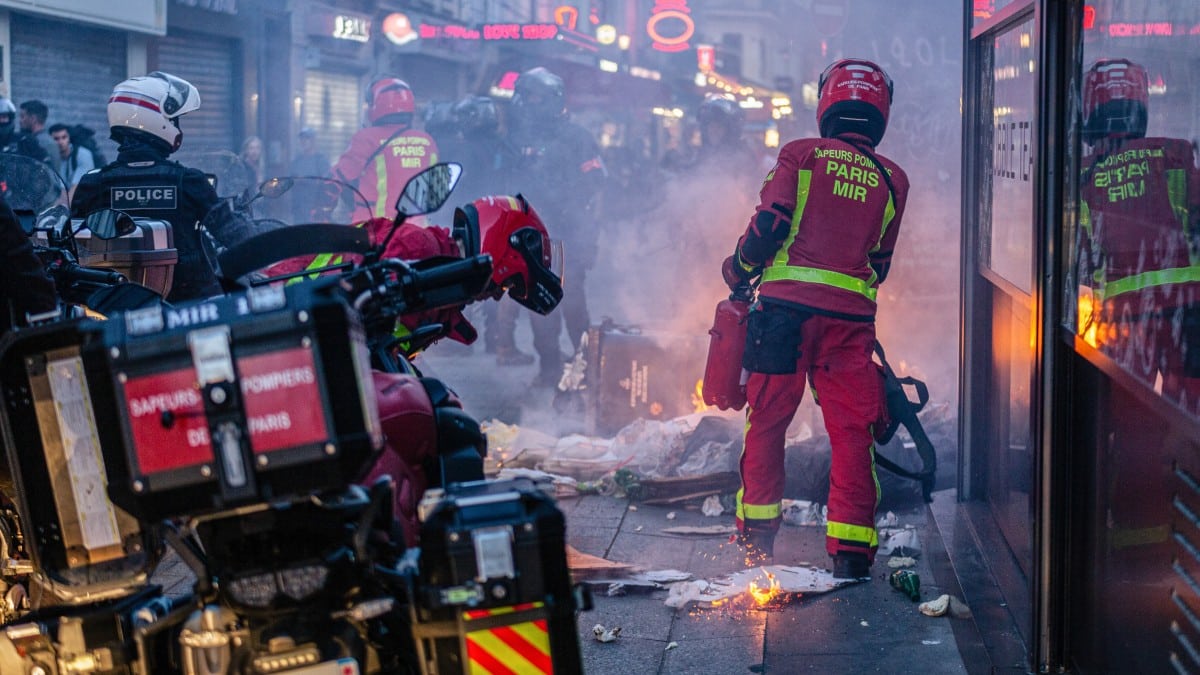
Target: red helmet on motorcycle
x=854, y=96
x=508, y=229
x=389, y=96
x=1115, y=95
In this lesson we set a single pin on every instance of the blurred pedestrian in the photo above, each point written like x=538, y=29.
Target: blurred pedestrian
x=384, y=155
x=75, y=161
x=33, y=125
x=556, y=164
x=308, y=160
x=247, y=173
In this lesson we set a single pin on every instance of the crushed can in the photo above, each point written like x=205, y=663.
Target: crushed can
x=493, y=592
x=908, y=583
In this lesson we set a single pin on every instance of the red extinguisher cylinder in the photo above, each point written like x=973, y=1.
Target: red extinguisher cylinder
x=723, y=385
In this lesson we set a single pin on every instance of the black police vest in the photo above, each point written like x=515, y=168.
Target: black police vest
x=157, y=190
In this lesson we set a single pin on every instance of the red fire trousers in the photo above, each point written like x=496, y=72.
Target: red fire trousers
x=836, y=358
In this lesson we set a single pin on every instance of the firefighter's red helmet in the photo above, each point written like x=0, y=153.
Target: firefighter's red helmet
x=508, y=229
x=854, y=96
x=1115, y=95
x=389, y=96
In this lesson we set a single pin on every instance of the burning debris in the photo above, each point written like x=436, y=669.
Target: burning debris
x=755, y=588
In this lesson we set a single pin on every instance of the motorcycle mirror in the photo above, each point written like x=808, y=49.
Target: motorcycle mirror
x=275, y=187
x=50, y=220
x=109, y=223
x=427, y=191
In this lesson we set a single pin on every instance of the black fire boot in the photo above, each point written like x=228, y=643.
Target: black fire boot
x=847, y=565
x=759, y=545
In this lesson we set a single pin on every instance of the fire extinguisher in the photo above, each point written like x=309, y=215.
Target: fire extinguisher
x=724, y=385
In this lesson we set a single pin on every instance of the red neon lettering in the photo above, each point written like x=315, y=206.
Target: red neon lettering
x=539, y=31
x=1089, y=17
x=502, y=31
x=668, y=37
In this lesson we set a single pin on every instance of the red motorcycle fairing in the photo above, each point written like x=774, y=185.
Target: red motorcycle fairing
x=409, y=424
x=411, y=242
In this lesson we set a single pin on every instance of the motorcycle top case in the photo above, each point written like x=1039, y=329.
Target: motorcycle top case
x=83, y=547
x=146, y=256
x=241, y=399
x=494, y=586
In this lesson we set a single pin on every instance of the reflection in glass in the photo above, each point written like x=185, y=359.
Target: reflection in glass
x=1009, y=246
x=1137, y=245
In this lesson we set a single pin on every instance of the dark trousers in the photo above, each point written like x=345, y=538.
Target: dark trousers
x=547, y=330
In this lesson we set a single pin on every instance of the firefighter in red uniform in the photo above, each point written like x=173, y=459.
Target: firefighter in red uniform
x=1138, y=213
x=821, y=242
x=385, y=155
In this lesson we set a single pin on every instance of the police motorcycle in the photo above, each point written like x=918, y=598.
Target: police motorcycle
x=233, y=428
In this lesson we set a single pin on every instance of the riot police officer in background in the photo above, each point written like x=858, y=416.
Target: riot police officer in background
x=556, y=164
x=721, y=146
x=143, y=115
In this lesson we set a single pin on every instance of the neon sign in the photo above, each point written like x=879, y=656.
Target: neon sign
x=356, y=28
x=670, y=25
x=566, y=16
x=490, y=32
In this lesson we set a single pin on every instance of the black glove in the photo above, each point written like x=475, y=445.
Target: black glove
x=735, y=274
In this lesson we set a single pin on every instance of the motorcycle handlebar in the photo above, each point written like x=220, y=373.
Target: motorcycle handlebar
x=446, y=284
x=74, y=273
x=451, y=273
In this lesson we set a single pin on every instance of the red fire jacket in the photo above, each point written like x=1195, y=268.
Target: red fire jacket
x=825, y=227
x=1134, y=210
x=381, y=172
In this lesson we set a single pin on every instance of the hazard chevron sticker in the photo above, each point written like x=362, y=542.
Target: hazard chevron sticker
x=515, y=649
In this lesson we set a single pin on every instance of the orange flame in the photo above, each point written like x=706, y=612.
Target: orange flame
x=698, y=398
x=1088, y=317
x=763, y=595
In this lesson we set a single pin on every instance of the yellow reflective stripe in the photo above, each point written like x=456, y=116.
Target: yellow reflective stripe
x=813, y=275
x=1177, y=195
x=756, y=511
x=889, y=212
x=1085, y=218
x=381, y=184
x=861, y=534
x=1137, y=282
x=320, y=260
x=804, y=180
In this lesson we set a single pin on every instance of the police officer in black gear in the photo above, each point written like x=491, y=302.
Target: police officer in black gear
x=721, y=145
x=556, y=164
x=143, y=114
x=24, y=287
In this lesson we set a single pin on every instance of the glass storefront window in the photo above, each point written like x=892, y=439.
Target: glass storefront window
x=1134, y=289
x=1008, y=246
x=982, y=10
